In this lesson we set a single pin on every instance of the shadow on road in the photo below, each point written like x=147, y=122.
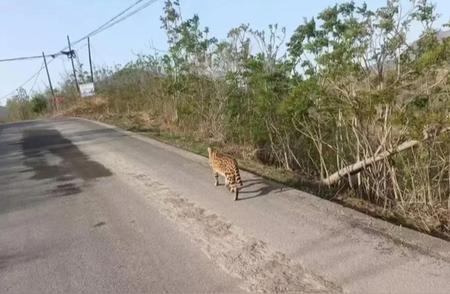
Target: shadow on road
x=72, y=162
x=260, y=188
x=39, y=164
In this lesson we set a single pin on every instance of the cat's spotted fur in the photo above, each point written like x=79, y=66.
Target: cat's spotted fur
x=227, y=167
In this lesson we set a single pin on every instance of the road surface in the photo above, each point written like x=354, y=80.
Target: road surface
x=88, y=208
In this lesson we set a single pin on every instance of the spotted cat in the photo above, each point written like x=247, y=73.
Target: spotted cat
x=228, y=168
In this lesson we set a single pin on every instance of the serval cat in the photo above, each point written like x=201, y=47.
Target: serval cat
x=228, y=168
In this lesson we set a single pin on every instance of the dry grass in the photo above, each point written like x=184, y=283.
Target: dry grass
x=420, y=216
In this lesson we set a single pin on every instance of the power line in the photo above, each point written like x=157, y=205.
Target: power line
x=37, y=76
x=34, y=76
x=122, y=18
x=116, y=19
x=111, y=22
x=29, y=57
x=24, y=83
x=94, y=32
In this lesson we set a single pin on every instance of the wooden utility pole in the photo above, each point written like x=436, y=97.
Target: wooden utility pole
x=90, y=59
x=48, y=76
x=71, y=53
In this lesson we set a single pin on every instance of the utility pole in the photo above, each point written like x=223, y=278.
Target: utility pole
x=71, y=55
x=90, y=60
x=48, y=76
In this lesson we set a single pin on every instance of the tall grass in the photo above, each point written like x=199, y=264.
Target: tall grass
x=349, y=87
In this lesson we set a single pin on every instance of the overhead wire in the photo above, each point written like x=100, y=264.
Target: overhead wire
x=97, y=30
x=28, y=80
x=109, y=21
x=37, y=76
x=23, y=84
x=145, y=5
x=115, y=20
x=121, y=16
x=29, y=57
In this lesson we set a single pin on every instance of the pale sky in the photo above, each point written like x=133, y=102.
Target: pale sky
x=28, y=27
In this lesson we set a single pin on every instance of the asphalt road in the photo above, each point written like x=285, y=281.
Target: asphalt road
x=86, y=208
x=68, y=224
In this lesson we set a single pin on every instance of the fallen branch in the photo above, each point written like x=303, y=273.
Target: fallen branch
x=360, y=165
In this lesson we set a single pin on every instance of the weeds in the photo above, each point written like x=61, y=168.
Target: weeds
x=349, y=89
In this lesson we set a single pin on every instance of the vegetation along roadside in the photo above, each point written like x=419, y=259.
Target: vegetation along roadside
x=346, y=107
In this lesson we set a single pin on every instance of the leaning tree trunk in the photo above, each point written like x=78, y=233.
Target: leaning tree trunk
x=362, y=164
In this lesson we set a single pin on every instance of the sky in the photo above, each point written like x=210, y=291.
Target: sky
x=29, y=27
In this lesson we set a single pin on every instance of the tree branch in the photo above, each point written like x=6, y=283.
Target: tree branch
x=360, y=165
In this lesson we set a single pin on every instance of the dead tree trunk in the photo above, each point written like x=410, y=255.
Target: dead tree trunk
x=362, y=164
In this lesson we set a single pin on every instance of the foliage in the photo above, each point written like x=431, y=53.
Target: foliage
x=19, y=107
x=38, y=103
x=346, y=86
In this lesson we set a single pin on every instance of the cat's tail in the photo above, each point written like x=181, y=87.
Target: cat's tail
x=237, y=175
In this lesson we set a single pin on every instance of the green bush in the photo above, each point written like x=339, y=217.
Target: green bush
x=349, y=87
x=39, y=104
